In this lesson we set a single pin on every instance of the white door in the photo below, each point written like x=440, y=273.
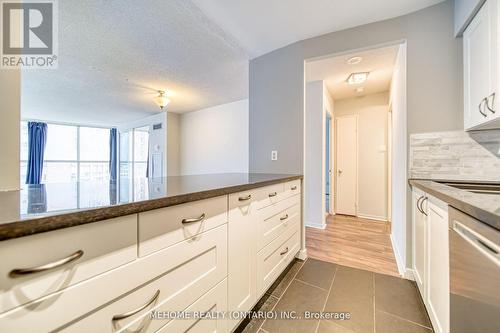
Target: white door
x=347, y=164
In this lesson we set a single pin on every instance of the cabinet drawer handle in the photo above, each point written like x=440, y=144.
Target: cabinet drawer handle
x=248, y=197
x=492, y=96
x=139, y=309
x=422, y=207
x=196, y=219
x=273, y=194
x=293, y=188
x=480, y=105
x=284, y=217
x=284, y=252
x=55, y=264
x=418, y=204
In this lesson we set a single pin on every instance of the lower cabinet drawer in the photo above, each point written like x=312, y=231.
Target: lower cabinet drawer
x=274, y=258
x=284, y=214
x=169, y=279
x=213, y=301
x=73, y=255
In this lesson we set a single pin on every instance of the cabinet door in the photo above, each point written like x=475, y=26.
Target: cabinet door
x=242, y=252
x=480, y=66
x=419, y=243
x=438, y=269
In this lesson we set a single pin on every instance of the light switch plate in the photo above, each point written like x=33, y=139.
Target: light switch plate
x=274, y=155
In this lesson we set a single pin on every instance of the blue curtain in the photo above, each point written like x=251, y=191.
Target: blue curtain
x=37, y=138
x=113, y=153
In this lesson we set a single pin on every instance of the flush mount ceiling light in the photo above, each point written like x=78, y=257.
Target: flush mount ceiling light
x=161, y=100
x=354, y=60
x=357, y=78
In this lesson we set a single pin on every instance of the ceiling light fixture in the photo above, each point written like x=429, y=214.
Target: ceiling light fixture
x=161, y=100
x=354, y=60
x=357, y=78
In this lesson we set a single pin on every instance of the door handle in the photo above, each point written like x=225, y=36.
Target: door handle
x=421, y=207
x=339, y=172
x=491, y=250
x=418, y=204
x=492, y=97
x=480, y=105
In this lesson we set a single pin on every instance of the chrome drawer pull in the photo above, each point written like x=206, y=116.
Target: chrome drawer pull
x=293, y=188
x=248, y=197
x=481, y=104
x=196, y=219
x=273, y=194
x=55, y=264
x=421, y=205
x=136, y=311
x=284, y=252
x=284, y=217
x=492, y=96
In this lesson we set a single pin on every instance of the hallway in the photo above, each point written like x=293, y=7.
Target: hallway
x=353, y=242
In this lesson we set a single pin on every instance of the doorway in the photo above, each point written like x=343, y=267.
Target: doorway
x=358, y=167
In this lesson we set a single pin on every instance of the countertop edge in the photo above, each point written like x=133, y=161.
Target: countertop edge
x=489, y=218
x=43, y=224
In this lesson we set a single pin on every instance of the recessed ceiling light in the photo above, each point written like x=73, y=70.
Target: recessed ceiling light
x=354, y=60
x=357, y=78
x=359, y=90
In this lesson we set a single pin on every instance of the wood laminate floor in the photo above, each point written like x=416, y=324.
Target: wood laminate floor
x=353, y=242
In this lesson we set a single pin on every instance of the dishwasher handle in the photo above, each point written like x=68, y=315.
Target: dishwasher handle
x=487, y=247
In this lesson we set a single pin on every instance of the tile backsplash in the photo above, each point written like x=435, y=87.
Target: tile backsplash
x=455, y=155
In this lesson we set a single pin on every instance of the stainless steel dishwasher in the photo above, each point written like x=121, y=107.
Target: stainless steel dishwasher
x=474, y=275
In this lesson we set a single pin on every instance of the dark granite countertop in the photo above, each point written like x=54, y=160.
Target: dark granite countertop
x=484, y=207
x=41, y=208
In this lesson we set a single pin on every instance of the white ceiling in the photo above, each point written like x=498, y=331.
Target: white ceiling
x=114, y=55
x=261, y=26
x=334, y=71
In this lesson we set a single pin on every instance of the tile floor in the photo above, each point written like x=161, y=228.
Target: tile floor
x=376, y=303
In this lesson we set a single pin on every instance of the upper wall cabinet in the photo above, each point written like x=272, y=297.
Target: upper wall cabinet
x=481, y=69
x=464, y=12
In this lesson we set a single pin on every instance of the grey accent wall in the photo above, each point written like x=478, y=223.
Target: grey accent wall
x=434, y=90
x=434, y=86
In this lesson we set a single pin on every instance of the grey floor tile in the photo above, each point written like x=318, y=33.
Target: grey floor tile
x=352, y=292
x=299, y=297
x=388, y=323
x=400, y=297
x=326, y=326
x=266, y=303
x=278, y=288
x=317, y=273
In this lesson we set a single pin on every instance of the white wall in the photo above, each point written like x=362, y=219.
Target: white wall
x=318, y=103
x=173, y=144
x=10, y=118
x=399, y=188
x=215, y=140
x=372, y=111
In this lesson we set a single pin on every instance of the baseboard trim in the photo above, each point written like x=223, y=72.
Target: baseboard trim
x=315, y=225
x=373, y=217
x=399, y=261
x=302, y=254
x=409, y=274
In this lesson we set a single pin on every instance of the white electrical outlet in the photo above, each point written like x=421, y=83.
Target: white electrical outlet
x=274, y=155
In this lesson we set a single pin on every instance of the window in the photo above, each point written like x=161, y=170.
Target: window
x=72, y=153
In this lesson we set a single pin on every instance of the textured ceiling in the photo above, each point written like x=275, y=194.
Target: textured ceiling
x=114, y=55
x=261, y=26
x=334, y=71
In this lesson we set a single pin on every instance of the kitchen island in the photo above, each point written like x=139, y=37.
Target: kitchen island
x=106, y=257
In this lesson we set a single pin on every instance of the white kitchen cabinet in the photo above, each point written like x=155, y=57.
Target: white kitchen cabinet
x=438, y=298
x=481, y=69
x=242, y=254
x=431, y=257
x=419, y=241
